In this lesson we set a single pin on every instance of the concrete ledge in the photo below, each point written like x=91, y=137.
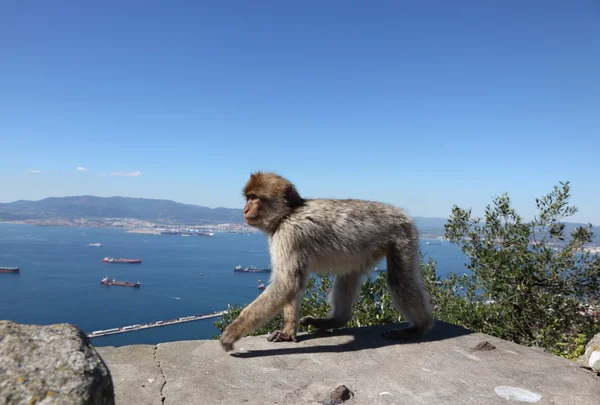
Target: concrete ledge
x=138, y=378
x=445, y=368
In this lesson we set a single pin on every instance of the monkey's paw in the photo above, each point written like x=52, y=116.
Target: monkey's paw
x=307, y=320
x=227, y=340
x=279, y=336
x=321, y=324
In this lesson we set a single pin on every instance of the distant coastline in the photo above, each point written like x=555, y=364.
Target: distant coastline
x=431, y=231
x=131, y=225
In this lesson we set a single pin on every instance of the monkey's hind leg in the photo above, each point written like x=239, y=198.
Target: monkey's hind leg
x=290, y=323
x=341, y=298
x=407, y=292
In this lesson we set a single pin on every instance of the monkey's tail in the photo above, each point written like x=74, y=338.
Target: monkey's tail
x=404, y=281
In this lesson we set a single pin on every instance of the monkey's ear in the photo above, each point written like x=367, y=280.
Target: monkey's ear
x=292, y=198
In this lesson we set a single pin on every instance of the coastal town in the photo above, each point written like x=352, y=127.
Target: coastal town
x=133, y=225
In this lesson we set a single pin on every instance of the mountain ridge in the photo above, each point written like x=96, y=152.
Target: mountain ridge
x=88, y=206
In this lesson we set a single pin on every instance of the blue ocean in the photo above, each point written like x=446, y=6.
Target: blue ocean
x=180, y=276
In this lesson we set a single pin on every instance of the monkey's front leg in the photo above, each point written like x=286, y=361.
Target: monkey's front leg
x=290, y=323
x=282, y=291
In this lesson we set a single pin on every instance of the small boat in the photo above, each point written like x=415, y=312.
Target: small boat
x=106, y=281
x=95, y=244
x=204, y=234
x=9, y=270
x=127, y=261
x=261, y=286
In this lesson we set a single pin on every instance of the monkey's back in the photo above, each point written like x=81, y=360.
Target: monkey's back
x=338, y=233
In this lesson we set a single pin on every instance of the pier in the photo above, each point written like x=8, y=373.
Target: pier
x=137, y=327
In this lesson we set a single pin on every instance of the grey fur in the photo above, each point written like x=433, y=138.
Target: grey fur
x=345, y=238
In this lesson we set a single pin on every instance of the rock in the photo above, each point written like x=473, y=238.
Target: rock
x=54, y=364
x=341, y=393
x=485, y=345
x=338, y=395
x=591, y=357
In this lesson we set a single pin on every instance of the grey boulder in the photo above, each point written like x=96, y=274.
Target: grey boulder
x=54, y=364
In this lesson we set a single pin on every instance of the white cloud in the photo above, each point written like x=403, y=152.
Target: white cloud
x=82, y=169
x=127, y=174
x=33, y=171
x=102, y=174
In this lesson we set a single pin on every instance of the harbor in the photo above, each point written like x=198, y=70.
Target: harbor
x=137, y=327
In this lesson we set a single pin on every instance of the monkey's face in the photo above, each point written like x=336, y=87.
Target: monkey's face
x=252, y=209
x=264, y=212
x=269, y=199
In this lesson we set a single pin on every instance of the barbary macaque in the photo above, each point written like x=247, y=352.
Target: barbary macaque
x=345, y=238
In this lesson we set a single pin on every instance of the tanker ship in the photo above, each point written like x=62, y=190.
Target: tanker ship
x=9, y=270
x=250, y=269
x=127, y=261
x=106, y=281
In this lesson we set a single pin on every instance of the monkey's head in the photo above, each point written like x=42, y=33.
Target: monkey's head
x=269, y=199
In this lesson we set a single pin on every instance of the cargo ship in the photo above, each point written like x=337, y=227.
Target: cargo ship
x=128, y=261
x=250, y=269
x=106, y=281
x=9, y=270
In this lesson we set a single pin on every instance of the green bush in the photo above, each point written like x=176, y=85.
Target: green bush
x=527, y=282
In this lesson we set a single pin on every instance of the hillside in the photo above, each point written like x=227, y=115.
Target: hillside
x=141, y=208
x=116, y=207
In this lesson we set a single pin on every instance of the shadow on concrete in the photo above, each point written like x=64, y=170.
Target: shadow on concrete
x=364, y=338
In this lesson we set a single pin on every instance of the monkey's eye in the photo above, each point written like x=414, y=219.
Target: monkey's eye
x=251, y=197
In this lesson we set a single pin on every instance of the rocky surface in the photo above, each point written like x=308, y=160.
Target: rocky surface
x=441, y=369
x=591, y=357
x=53, y=364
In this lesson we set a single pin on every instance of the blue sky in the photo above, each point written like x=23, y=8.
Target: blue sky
x=419, y=104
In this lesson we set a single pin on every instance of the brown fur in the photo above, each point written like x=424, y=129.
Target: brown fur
x=342, y=237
